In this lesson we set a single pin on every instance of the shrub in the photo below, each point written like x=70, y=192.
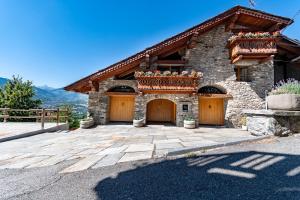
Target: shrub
x=189, y=118
x=73, y=117
x=243, y=121
x=291, y=86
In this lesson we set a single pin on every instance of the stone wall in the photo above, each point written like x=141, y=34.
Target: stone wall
x=211, y=57
x=179, y=99
x=98, y=104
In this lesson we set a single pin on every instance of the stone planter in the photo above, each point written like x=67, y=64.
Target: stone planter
x=189, y=124
x=87, y=123
x=284, y=102
x=139, y=122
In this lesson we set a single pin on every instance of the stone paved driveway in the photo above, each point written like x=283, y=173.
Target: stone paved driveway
x=108, y=145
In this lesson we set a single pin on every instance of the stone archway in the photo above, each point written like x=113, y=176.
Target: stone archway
x=161, y=110
x=121, y=88
x=212, y=89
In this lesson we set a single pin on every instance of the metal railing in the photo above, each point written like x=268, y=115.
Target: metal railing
x=40, y=115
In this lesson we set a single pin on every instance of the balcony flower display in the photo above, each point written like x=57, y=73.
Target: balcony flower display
x=192, y=74
x=251, y=35
x=166, y=80
x=252, y=48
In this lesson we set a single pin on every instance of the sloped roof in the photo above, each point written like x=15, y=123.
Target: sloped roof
x=82, y=84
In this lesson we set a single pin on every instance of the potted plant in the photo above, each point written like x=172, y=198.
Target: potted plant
x=285, y=96
x=138, y=122
x=167, y=73
x=243, y=122
x=87, y=122
x=189, y=122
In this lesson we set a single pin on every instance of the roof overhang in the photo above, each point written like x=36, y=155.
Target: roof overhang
x=245, y=16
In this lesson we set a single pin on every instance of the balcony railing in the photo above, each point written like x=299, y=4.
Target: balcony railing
x=252, y=48
x=171, y=83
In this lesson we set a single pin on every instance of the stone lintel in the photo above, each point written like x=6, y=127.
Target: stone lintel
x=271, y=113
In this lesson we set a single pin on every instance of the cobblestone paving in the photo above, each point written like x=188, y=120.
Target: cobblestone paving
x=108, y=145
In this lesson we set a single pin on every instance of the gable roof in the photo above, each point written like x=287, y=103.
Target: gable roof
x=82, y=85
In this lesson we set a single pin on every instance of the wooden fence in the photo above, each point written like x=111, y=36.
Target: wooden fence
x=40, y=115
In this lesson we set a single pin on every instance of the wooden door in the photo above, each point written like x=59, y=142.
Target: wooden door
x=161, y=110
x=211, y=111
x=121, y=108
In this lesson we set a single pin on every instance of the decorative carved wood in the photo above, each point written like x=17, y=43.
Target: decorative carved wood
x=232, y=22
x=167, y=83
x=94, y=86
x=252, y=48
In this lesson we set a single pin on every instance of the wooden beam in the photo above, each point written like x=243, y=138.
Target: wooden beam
x=238, y=78
x=266, y=59
x=147, y=61
x=167, y=91
x=223, y=96
x=172, y=51
x=275, y=27
x=193, y=41
x=232, y=22
x=296, y=59
x=94, y=85
x=128, y=72
x=121, y=93
x=236, y=59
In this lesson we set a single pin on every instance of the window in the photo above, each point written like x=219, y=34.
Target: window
x=185, y=108
x=242, y=74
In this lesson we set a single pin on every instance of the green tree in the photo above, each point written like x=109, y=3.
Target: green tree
x=18, y=94
x=73, y=117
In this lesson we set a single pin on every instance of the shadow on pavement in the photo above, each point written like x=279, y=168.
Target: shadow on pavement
x=246, y=175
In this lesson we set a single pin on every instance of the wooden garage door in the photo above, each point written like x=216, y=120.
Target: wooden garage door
x=121, y=108
x=211, y=111
x=161, y=110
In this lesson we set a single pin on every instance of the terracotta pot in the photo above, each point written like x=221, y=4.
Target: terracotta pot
x=284, y=102
x=189, y=124
x=138, y=122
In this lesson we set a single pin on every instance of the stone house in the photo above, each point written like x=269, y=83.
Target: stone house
x=210, y=72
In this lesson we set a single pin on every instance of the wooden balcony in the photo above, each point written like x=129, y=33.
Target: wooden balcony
x=258, y=49
x=167, y=84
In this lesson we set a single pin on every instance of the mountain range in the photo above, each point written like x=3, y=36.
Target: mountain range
x=55, y=97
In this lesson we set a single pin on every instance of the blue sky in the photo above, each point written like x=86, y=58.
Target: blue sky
x=56, y=42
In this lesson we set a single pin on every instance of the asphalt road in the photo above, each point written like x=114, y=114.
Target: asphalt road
x=264, y=170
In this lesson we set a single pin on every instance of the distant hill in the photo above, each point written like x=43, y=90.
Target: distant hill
x=54, y=97
x=3, y=81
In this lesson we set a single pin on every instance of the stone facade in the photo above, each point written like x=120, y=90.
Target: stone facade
x=141, y=102
x=211, y=57
x=98, y=104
